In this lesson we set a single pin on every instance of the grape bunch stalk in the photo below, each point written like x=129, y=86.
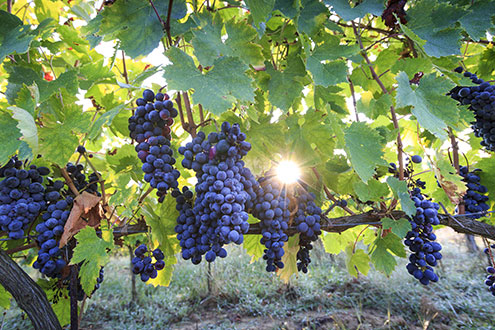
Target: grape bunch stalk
x=150, y=127
x=143, y=265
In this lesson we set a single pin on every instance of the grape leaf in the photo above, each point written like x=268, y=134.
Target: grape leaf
x=104, y=120
x=383, y=251
x=217, y=89
x=4, y=298
x=400, y=191
x=433, y=109
x=374, y=107
x=365, y=149
x=9, y=136
x=448, y=179
x=162, y=220
x=284, y=87
x=135, y=24
x=260, y=10
x=289, y=259
x=478, y=19
x=372, y=191
x=398, y=227
x=62, y=306
x=344, y=10
x=28, y=98
x=427, y=24
x=92, y=252
x=335, y=243
x=14, y=36
x=311, y=17
x=86, y=212
x=209, y=45
x=358, y=261
x=326, y=74
x=27, y=127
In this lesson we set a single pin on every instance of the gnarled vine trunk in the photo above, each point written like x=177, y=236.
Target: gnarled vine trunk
x=28, y=295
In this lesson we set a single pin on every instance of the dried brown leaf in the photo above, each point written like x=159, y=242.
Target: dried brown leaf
x=86, y=211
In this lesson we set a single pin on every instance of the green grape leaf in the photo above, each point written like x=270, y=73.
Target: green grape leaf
x=335, y=243
x=478, y=19
x=326, y=74
x=104, y=120
x=92, y=251
x=374, y=107
x=135, y=24
x=398, y=227
x=5, y=297
x=358, y=261
x=208, y=43
x=400, y=191
x=365, y=149
x=432, y=23
x=63, y=130
x=27, y=98
x=260, y=11
x=383, y=250
x=162, y=220
x=165, y=275
x=311, y=17
x=344, y=10
x=217, y=89
x=372, y=191
x=62, y=306
x=289, y=259
x=431, y=106
x=27, y=127
x=14, y=36
x=9, y=136
x=284, y=87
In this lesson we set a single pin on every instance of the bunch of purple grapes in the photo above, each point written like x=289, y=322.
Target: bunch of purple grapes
x=481, y=100
x=143, y=265
x=21, y=196
x=307, y=219
x=271, y=207
x=421, y=239
x=150, y=127
x=475, y=198
x=224, y=191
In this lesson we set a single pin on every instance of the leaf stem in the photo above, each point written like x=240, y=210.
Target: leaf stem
x=329, y=194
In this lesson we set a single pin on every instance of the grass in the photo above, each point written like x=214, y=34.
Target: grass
x=244, y=296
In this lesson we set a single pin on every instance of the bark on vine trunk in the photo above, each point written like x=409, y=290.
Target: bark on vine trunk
x=28, y=295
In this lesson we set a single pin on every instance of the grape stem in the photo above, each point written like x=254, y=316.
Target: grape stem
x=385, y=91
x=190, y=118
x=100, y=180
x=9, y=6
x=329, y=194
x=69, y=182
x=353, y=94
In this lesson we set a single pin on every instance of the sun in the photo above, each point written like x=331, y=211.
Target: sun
x=288, y=172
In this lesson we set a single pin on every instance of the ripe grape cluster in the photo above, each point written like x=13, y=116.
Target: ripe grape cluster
x=421, y=239
x=21, y=196
x=224, y=192
x=307, y=220
x=143, y=265
x=271, y=207
x=475, y=198
x=150, y=127
x=481, y=100
x=51, y=259
x=490, y=278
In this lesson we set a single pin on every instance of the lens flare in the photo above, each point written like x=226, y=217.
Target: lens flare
x=288, y=172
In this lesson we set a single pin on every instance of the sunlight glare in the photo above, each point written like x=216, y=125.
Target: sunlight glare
x=288, y=172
